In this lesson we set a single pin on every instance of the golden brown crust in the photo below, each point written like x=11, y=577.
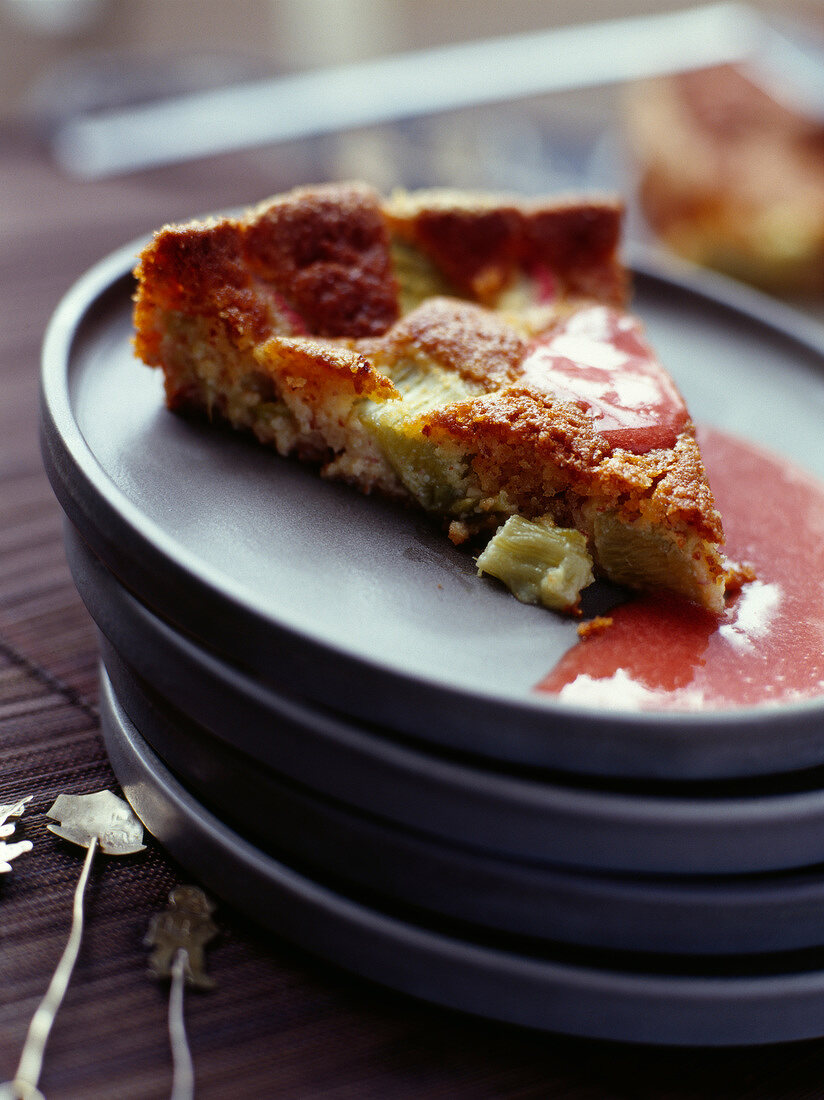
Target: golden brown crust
x=326, y=250
x=530, y=446
x=529, y=430
x=593, y=627
x=572, y=246
x=196, y=269
x=473, y=342
x=315, y=261
x=322, y=369
x=579, y=242
x=475, y=250
x=682, y=496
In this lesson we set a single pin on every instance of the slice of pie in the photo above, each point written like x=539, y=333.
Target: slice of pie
x=469, y=354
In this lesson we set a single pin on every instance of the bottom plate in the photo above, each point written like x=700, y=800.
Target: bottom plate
x=548, y=993
x=732, y=915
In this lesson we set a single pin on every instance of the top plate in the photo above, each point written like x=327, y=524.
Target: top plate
x=358, y=605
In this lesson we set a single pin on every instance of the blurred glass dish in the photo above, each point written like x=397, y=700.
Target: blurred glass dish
x=401, y=86
x=55, y=17
x=90, y=81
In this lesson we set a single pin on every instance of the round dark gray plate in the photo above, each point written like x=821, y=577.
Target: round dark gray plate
x=362, y=606
x=714, y=916
x=532, y=816
x=563, y=991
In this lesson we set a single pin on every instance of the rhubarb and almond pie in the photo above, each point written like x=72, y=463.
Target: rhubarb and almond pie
x=470, y=354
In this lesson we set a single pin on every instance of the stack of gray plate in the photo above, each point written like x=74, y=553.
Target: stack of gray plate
x=315, y=704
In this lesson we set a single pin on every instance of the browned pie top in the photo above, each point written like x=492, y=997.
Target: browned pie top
x=307, y=283
x=326, y=250
x=463, y=337
x=570, y=244
x=524, y=439
x=314, y=262
x=318, y=261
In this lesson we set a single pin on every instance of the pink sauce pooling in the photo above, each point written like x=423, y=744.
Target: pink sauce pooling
x=599, y=360
x=662, y=653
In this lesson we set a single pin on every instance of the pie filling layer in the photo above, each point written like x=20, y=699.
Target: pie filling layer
x=471, y=355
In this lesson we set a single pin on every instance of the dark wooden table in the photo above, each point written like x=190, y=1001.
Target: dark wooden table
x=278, y=1024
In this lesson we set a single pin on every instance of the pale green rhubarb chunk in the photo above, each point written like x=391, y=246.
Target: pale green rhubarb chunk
x=642, y=556
x=436, y=476
x=418, y=277
x=539, y=562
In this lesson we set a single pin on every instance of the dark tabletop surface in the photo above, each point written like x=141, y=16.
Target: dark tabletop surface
x=278, y=1023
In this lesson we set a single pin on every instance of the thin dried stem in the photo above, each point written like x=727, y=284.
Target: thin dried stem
x=31, y=1060
x=183, y=1084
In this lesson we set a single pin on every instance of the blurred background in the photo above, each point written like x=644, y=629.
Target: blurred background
x=60, y=59
x=273, y=36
